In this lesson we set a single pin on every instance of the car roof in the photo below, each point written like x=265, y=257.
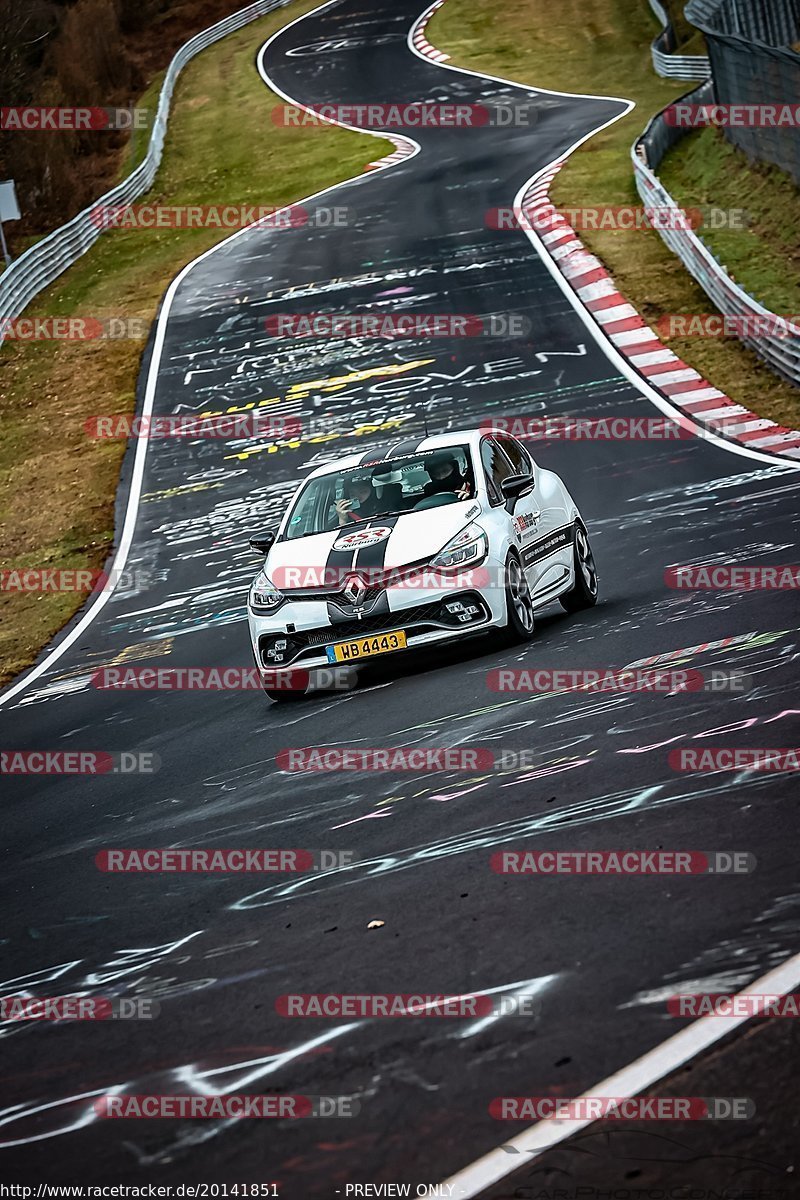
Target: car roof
x=400, y=448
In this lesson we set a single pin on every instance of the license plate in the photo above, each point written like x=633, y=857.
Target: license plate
x=366, y=647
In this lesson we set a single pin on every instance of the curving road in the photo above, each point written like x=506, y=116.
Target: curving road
x=216, y=951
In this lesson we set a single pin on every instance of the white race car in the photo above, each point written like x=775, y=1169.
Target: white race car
x=412, y=545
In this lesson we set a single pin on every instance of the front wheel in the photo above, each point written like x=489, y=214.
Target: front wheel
x=583, y=593
x=519, y=605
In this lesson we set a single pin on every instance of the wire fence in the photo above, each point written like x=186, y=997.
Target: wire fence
x=774, y=339
x=43, y=262
x=752, y=64
x=666, y=63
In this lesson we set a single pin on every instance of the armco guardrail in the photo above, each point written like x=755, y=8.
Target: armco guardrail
x=43, y=262
x=674, y=66
x=779, y=349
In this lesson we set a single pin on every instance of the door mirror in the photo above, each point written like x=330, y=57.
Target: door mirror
x=515, y=486
x=263, y=542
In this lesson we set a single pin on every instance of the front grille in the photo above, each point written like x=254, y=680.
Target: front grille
x=380, y=623
x=422, y=618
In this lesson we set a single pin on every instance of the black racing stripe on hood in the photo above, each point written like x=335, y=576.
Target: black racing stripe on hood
x=405, y=449
x=377, y=454
x=374, y=556
x=370, y=557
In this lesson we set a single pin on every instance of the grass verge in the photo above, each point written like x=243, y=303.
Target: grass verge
x=56, y=486
x=690, y=39
x=763, y=255
x=605, y=47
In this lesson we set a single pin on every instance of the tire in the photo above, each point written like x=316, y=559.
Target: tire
x=583, y=593
x=519, y=626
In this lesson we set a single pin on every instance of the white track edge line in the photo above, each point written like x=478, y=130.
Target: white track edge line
x=120, y=557
x=688, y=1043
x=618, y=360
x=629, y=1081
x=131, y=513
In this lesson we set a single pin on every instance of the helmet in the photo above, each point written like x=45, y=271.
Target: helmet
x=440, y=459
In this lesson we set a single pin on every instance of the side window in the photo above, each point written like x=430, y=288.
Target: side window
x=496, y=468
x=516, y=455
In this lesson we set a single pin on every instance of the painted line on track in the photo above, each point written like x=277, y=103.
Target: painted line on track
x=533, y=195
x=631, y=1080
x=120, y=557
x=676, y=1051
x=116, y=564
x=656, y=1064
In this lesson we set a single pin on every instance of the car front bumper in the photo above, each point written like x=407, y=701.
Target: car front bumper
x=299, y=632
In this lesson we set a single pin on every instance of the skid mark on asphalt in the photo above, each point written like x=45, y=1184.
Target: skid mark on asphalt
x=60, y=1118
x=582, y=813
x=236, y=792
x=763, y=943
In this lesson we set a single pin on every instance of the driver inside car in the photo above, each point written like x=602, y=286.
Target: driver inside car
x=359, y=501
x=446, y=476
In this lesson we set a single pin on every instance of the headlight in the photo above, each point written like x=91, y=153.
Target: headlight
x=468, y=547
x=264, y=596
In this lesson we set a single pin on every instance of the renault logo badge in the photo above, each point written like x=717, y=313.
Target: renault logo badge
x=355, y=590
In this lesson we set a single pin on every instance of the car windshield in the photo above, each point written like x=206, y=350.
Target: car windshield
x=382, y=488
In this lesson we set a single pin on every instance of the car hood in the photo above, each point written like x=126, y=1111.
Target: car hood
x=378, y=542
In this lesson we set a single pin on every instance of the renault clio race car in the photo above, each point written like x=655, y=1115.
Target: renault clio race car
x=411, y=545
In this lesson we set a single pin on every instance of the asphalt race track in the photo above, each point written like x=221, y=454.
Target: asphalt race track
x=601, y=953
